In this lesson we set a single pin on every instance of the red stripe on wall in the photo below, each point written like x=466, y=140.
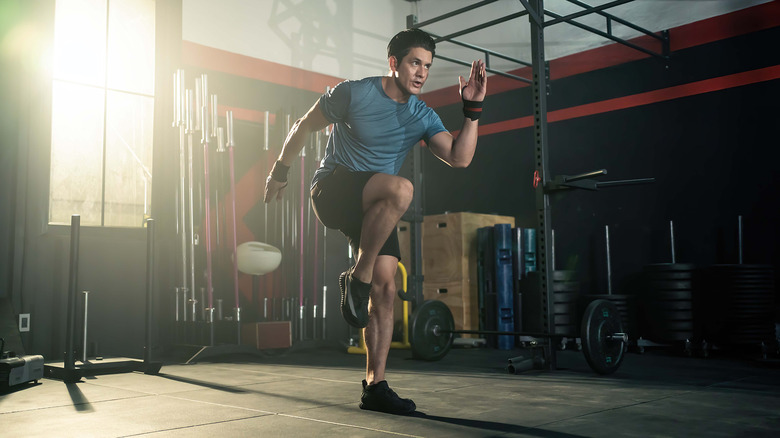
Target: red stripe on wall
x=718, y=28
x=680, y=91
x=232, y=63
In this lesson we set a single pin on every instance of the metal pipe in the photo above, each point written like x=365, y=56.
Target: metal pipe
x=610, y=37
x=739, y=237
x=176, y=305
x=585, y=175
x=84, y=339
x=207, y=206
x=324, y=310
x=204, y=83
x=198, y=103
x=314, y=333
x=233, y=195
x=176, y=98
x=487, y=52
x=453, y=13
x=229, y=123
x=300, y=229
x=266, y=125
x=590, y=10
x=625, y=182
x=189, y=111
x=182, y=219
x=191, y=230
x=220, y=139
x=489, y=70
x=671, y=233
x=552, y=248
x=75, y=223
x=609, y=262
x=619, y=20
x=301, y=324
x=214, y=115
x=484, y=25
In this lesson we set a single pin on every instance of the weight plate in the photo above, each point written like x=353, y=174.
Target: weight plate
x=673, y=315
x=674, y=326
x=563, y=275
x=681, y=275
x=600, y=320
x=655, y=285
x=670, y=305
x=752, y=304
x=565, y=320
x=430, y=330
x=565, y=308
x=743, y=267
x=565, y=297
x=669, y=267
x=566, y=287
x=662, y=296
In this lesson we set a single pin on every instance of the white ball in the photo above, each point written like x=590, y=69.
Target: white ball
x=257, y=258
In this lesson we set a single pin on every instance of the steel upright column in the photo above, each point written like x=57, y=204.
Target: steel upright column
x=415, y=230
x=542, y=177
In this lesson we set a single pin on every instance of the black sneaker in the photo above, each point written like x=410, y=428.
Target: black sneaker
x=379, y=397
x=354, y=299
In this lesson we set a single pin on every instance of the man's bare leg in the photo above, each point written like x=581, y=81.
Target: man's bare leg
x=379, y=332
x=377, y=394
x=385, y=199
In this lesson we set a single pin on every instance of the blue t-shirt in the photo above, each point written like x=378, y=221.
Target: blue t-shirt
x=372, y=132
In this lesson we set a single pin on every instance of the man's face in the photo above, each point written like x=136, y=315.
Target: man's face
x=412, y=71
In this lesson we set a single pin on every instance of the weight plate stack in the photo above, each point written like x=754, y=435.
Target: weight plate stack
x=566, y=292
x=742, y=313
x=626, y=307
x=668, y=302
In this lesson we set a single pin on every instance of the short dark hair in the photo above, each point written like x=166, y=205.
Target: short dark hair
x=400, y=45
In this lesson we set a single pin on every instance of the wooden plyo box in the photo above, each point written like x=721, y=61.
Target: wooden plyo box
x=267, y=335
x=450, y=262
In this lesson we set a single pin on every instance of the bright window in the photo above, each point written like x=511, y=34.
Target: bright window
x=102, y=112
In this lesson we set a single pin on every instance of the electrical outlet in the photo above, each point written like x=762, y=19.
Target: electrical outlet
x=24, y=322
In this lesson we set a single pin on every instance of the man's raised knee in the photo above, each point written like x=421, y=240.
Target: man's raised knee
x=405, y=193
x=394, y=190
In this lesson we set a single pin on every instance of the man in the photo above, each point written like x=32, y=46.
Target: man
x=377, y=120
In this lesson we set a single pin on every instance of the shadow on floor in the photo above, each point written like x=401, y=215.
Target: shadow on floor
x=496, y=426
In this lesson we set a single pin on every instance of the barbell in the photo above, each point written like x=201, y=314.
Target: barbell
x=433, y=329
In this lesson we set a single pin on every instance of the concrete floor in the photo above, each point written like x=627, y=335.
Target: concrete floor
x=314, y=391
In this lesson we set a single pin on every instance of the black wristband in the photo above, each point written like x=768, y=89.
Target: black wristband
x=472, y=109
x=279, y=171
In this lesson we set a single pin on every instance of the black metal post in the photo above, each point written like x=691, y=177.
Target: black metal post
x=149, y=288
x=70, y=360
x=544, y=233
x=415, y=230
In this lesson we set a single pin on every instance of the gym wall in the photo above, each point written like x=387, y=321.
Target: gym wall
x=702, y=123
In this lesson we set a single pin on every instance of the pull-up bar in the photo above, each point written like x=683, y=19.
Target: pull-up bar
x=663, y=38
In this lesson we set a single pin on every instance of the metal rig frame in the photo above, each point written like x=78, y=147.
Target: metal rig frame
x=536, y=12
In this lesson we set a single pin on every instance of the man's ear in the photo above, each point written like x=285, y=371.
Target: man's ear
x=393, y=63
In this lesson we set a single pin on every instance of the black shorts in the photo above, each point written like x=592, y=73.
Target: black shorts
x=337, y=200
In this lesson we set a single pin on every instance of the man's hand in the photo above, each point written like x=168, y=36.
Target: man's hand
x=273, y=189
x=476, y=87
